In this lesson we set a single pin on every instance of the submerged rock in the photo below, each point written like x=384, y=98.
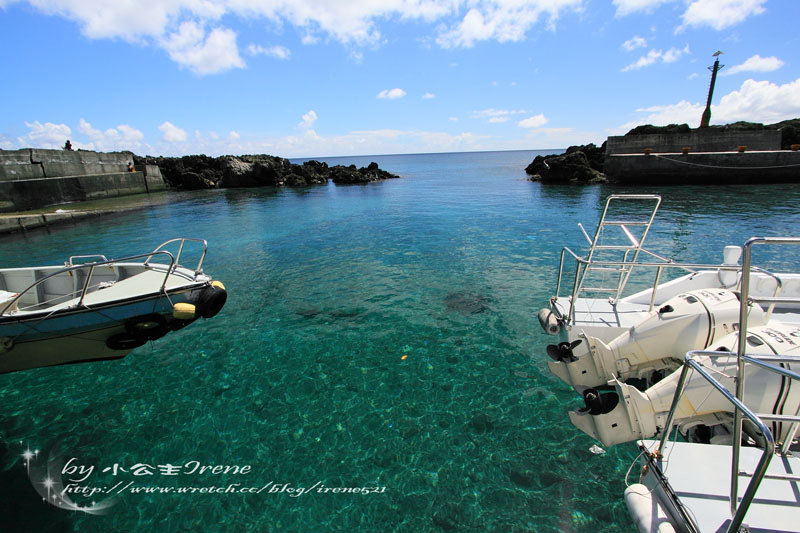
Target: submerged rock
x=481, y=423
x=465, y=303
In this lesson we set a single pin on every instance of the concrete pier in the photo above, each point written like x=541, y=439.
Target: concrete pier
x=766, y=166
x=33, y=178
x=701, y=156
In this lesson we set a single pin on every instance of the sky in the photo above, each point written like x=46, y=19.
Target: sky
x=315, y=78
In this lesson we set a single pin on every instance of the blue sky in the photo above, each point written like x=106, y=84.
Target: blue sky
x=299, y=78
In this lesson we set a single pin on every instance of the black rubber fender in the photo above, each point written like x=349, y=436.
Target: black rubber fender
x=212, y=300
x=125, y=341
x=152, y=326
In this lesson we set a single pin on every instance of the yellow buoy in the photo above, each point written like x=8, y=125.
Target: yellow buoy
x=183, y=311
x=218, y=284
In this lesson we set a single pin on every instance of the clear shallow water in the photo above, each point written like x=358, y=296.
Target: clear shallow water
x=381, y=335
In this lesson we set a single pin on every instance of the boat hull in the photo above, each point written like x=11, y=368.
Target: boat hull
x=81, y=335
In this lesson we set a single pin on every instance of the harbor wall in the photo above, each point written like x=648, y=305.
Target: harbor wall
x=697, y=141
x=32, y=178
x=753, y=167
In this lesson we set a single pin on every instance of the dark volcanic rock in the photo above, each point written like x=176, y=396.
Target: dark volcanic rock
x=649, y=128
x=203, y=172
x=568, y=168
x=790, y=129
x=594, y=155
x=350, y=175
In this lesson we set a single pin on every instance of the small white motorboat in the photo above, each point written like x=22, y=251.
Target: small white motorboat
x=626, y=354
x=103, y=308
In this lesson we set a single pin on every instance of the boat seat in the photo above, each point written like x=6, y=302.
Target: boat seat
x=146, y=282
x=17, y=280
x=101, y=276
x=56, y=289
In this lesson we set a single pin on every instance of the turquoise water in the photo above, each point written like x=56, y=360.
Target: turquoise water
x=374, y=336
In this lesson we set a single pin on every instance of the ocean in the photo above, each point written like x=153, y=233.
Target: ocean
x=378, y=365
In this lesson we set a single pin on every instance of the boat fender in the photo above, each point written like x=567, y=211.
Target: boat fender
x=646, y=510
x=212, y=299
x=183, y=311
x=152, y=326
x=549, y=322
x=730, y=257
x=6, y=344
x=125, y=341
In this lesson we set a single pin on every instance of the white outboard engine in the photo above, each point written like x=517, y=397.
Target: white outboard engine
x=689, y=321
x=622, y=413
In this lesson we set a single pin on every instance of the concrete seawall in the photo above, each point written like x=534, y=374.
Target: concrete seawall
x=705, y=167
x=33, y=178
x=711, y=156
x=706, y=140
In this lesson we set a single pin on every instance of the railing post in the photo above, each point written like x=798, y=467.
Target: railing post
x=740, y=377
x=86, y=285
x=675, y=400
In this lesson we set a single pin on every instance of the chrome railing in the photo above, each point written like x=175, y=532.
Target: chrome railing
x=632, y=244
x=739, y=508
x=91, y=267
x=663, y=263
x=182, y=240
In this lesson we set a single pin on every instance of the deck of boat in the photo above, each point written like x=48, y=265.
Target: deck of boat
x=703, y=485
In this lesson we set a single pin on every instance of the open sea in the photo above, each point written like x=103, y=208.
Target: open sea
x=379, y=337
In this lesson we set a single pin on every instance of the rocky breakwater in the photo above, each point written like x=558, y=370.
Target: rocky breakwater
x=579, y=164
x=204, y=172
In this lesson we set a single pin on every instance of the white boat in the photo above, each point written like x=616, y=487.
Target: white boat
x=626, y=355
x=102, y=308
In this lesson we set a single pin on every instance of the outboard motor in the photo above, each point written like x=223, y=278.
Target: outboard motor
x=689, y=321
x=641, y=415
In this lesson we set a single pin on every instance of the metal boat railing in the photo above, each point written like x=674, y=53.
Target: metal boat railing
x=91, y=267
x=582, y=264
x=770, y=363
x=174, y=262
x=632, y=243
x=183, y=240
x=659, y=267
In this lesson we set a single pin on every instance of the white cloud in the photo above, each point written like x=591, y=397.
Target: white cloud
x=203, y=54
x=233, y=135
x=716, y=14
x=535, y=121
x=670, y=56
x=502, y=20
x=178, y=26
x=634, y=42
x=720, y=14
x=47, y=135
x=278, y=52
x=756, y=64
x=428, y=96
x=755, y=101
x=497, y=115
x=123, y=137
x=308, y=120
x=172, y=133
x=626, y=7
x=391, y=94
